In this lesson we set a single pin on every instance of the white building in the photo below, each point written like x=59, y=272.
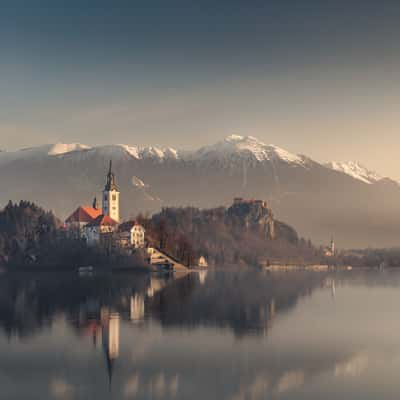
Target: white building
x=111, y=196
x=202, y=263
x=101, y=227
x=82, y=216
x=93, y=223
x=131, y=234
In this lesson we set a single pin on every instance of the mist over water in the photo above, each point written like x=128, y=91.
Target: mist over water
x=214, y=335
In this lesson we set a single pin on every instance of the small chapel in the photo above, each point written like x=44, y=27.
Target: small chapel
x=102, y=225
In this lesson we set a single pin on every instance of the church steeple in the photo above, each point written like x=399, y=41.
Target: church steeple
x=110, y=183
x=111, y=196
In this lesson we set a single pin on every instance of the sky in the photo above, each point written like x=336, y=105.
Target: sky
x=315, y=77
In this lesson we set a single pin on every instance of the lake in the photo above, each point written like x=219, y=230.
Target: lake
x=208, y=335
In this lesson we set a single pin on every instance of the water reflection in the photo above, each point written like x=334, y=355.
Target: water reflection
x=233, y=335
x=246, y=302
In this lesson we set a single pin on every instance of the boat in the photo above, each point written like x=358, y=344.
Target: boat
x=85, y=270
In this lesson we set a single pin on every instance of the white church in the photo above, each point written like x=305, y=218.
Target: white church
x=99, y=226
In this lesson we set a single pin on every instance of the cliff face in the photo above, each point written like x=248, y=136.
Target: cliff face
x=255, y=215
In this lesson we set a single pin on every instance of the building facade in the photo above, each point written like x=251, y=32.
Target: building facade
x=82, y=216
x=111, y=197
x=131, y=234
x=99, y=230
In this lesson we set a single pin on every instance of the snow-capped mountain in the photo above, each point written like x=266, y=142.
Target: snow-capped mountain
x=356, y=170
x=345, y=200
x=150, y=152
x=78, y=150
x=62, y=148
x=248, y=147
x=232, y=148
x=40, y=152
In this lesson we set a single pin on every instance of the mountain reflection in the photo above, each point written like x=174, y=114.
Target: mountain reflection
x=246, y=302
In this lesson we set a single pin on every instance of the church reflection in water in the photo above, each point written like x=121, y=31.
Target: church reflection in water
x=208, y=334
x=246, y=303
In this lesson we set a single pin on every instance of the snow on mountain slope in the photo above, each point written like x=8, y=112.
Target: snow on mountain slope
x=63, y=148
x=137, y=182
x=170, y=152
x=126, y=152
x=40, y=152
x=247, y=146
x=131, y=150
x=157, y=153
x=78, y=150
x=356, y=171
x=227, y=152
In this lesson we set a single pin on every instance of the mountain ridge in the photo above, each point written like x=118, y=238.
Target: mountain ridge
x=230, y=146
x=357, y=171
x=316, y=200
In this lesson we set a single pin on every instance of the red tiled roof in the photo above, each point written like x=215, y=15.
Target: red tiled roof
x=102, y=220
x=84, y=214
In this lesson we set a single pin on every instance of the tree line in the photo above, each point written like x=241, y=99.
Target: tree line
x=32, y=235
x=223, y=238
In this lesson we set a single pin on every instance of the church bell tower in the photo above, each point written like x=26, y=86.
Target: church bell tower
x=111, y=196
x=332, y=246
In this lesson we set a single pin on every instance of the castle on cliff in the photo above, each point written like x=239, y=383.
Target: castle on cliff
x=255, y=214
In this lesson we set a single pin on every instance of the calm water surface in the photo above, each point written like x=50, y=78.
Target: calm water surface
x=216, y=335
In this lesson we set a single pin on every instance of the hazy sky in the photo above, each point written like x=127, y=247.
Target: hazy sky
x=315, y=77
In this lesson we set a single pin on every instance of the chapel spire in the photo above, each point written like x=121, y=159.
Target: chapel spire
x=111, y=196
x=110, y=182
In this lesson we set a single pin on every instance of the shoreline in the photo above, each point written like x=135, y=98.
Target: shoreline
x=72, y=269
x=307, y=267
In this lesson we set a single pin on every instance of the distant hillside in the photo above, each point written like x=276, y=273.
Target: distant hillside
x=244, y=233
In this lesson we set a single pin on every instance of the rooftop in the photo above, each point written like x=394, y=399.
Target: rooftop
x=84, y=214
x=103, y=220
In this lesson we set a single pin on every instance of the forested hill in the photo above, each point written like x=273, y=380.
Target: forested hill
x=24, y=229
x=244, y=233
